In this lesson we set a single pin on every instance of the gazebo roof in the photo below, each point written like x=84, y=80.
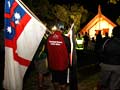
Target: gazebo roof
x=97, y=19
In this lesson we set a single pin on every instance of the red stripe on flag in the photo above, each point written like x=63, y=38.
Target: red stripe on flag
x=14, y=5
x=21, y=60
x=8, y=43
x=12, y=24
x=6, y=15
x=13, y=43
x=19, y=29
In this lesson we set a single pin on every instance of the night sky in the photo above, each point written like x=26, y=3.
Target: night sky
x=111, y=11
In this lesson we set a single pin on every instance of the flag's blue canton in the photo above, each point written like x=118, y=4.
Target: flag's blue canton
x=14, y=19
x=9, y=31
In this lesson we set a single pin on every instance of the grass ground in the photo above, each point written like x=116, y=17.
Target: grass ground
x=87, y=79
x=87, y=74
x=89, y=83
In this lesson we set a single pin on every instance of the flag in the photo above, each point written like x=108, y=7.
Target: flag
x=73, y=61
x=70, y=35
x=23, y=34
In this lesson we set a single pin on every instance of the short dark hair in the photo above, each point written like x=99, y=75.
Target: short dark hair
x=116, y=31
x=62, y=29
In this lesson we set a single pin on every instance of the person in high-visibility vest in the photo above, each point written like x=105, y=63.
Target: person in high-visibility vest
x=79, y=42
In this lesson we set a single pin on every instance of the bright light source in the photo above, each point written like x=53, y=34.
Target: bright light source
x=54, y=27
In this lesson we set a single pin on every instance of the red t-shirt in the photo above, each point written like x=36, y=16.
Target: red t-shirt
x=57, y=52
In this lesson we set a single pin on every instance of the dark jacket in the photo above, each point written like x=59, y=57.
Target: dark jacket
x=111, y=51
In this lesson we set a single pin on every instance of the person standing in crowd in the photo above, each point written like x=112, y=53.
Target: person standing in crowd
x=106, y=37
x=91, y=44
x=110, y=62
x=58, y=50
x=98, y=41
x=93, y=40
x=79, y=42
x=41, y=65
x=98, y=45
x=86, y=40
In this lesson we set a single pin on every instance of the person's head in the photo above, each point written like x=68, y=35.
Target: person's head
x=86, y=33
x=93, y=38
x=116, y=31
x=99, y=32
x=106, y=34
x=58, y=29
x=61, y=29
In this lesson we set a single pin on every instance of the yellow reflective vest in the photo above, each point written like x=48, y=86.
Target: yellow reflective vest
x=79, y=43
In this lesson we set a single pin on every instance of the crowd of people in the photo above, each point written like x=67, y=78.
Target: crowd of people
x=53, y=56
x=93, y=43
x=110, y=61
x=57, y=50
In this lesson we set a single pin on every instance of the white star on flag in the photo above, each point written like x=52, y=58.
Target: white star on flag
x=9, y=29
x=17, y=18
x=9, y=4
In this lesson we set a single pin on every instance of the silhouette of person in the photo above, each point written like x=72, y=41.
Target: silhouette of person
x=106, y=37
x=110, y=62
x=98, y=46
x=91, y=44
x=98, y=41
x=86, y=40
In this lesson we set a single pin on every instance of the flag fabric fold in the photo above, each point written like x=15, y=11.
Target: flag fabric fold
x=73, y=61
x=70, y=35
x=23, y=34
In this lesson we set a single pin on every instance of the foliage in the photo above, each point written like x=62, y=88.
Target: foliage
x=58, y=13
x=113, y=1
x=75, y=12
x=41, y=8
x=79, y=15
x=118, y=20
x=61, y=13
x=28, y=3
x=54, y=13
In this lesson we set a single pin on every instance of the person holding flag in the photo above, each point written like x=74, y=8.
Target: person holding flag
x=58, y=50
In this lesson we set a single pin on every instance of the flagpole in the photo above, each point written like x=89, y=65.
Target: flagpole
x=73, y=67
x=33, y=14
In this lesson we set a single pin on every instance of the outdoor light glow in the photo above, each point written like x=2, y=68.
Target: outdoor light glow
x=101, y=25
x=54, y=27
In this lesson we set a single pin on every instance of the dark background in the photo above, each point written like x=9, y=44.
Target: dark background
x=112, y=11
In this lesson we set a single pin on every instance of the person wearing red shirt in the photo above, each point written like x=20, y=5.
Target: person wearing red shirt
x=58, y=50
